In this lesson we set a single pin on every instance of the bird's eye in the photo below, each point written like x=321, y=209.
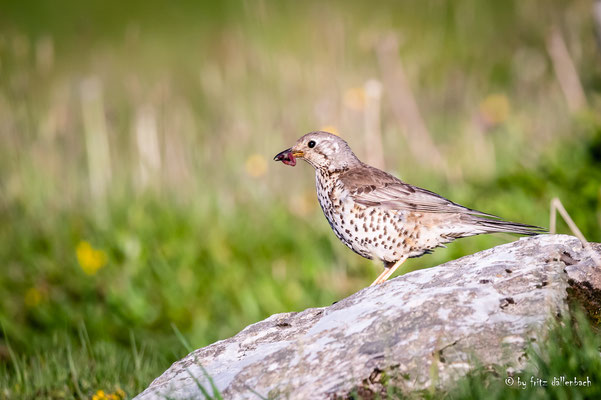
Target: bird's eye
x=311, y=144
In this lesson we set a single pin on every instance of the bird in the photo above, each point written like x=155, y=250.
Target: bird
x=377, y=215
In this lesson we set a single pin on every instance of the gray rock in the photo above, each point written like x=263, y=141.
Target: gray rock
x=584, y=278
x=424, y=328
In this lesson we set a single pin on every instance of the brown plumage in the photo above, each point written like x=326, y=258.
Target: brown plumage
x=379, y=216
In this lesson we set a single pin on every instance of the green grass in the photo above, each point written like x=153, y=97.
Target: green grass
x=218, y=236
x=64, y=368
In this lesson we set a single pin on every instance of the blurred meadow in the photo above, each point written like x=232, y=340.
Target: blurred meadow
x=139, y=201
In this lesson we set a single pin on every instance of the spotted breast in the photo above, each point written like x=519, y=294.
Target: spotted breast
x=370, y=232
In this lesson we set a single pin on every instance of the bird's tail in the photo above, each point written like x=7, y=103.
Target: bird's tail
x=493, y=225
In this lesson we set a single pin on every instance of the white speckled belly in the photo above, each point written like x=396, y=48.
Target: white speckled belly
x=371, y=232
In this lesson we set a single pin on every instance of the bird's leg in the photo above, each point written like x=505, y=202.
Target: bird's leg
x=388, y=271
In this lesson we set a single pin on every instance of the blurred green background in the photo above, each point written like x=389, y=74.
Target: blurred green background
x=138, y=196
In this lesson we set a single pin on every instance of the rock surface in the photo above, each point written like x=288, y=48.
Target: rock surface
x=423, y=328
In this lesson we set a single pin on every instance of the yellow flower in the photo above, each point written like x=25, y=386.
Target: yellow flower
x=32, y=297
x=330, y=128
x=494, y=109
x=354, y=98
x=90, y=260
x=99, y=395
x=256, y=165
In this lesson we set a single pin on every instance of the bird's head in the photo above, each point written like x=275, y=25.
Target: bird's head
x=321, y=150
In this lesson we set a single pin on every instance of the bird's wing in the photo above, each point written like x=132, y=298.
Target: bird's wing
x=372, y=187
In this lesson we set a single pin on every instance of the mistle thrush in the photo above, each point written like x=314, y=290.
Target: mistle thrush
x=379, y=216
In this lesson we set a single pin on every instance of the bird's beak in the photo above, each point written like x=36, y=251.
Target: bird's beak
x=288, y=156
